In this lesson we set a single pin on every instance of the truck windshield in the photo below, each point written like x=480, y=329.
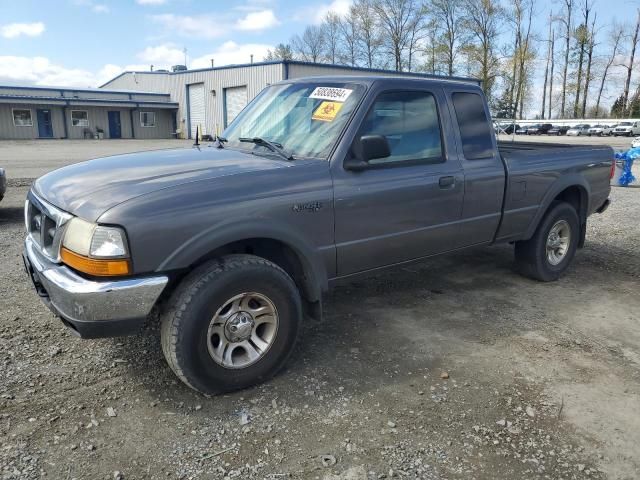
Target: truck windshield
x=304, y=119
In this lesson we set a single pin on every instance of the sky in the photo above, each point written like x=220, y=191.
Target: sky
x=84, y=43
x=87, y=42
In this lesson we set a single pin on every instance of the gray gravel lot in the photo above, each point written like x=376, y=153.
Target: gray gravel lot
x=543, y=379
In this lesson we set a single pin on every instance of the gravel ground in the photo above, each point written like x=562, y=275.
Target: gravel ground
x=452, y=368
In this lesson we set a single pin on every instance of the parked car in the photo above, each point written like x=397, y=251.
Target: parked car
x=635, y=143
x=600, y=130
x=558, y=130
x=507, y=128
x=578, y=130
x=235, y=244
x=627, y=129
x=541, y=129
x=3, y=183
x=522, y=130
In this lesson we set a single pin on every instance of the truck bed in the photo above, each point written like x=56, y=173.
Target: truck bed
x=534, y=171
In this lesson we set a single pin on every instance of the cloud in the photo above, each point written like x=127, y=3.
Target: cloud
x=100, y=8
x=230, y=53
x=41, y=71
x=316, y=13
x=259, y=20
x=205, y=26
x=151, y=2
x=14, y=30
x=167, y=54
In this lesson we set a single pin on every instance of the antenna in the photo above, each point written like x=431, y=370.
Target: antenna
x=251, y=57
x=212, y=63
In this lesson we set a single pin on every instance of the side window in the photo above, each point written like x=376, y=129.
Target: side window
x=409, y=121
x=475, y=130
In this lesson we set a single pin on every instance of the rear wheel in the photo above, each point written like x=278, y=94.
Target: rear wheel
x=231, y=323
x=548, y=254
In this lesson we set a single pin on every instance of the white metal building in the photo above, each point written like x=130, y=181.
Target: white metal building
x=56, y=112
x=211, y=98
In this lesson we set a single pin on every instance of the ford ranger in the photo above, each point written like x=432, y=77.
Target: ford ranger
x=316, y=181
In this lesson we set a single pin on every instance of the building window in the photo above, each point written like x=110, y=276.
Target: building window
x=22, y=118
x=148, y=119
x=79, y=118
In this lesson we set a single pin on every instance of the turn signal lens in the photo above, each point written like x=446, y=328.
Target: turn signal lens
x=91, y=266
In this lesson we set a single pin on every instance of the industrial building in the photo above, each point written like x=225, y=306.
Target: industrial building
x=210, y=98
x=152, y=104
x=54, y=112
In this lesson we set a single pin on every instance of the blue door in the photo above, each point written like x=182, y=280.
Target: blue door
x=45, y=128
x=115, y=127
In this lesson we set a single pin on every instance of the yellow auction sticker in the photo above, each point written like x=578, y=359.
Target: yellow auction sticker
x=327, y=111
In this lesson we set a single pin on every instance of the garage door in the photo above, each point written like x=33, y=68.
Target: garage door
x=196, y=108
x=235, y=100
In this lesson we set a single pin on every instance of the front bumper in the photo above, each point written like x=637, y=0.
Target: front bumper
x=92, y=309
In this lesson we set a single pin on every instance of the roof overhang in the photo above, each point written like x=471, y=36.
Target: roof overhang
x=85, y=102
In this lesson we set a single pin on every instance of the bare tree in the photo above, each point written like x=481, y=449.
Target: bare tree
x=629, y=67
x=582, y=35
x=617, y=31
x=282, y=51
x=370, y=38
x=417, y=32
x=566, y=21
x=311, y=45
x=447, y=19
x=331, y=28
x=397, y=20
x=482, y=20
x=587, y=76
x=520, y=16
x=349, y=27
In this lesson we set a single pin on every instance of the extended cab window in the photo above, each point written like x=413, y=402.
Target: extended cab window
x=409, y=121
x=475, y=130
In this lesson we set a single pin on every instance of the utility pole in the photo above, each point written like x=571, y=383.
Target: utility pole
x=553, y=42
x=634, y=43
x=546, y=72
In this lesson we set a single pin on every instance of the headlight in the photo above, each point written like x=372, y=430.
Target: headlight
x=95, y=249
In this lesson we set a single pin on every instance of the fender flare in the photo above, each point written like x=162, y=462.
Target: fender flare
x=221, y=234
x=566, y=181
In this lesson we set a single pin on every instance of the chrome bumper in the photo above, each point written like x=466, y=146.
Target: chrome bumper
x=92, y=308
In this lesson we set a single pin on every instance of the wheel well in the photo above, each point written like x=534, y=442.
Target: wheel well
x=577, y=197
x=277, y=252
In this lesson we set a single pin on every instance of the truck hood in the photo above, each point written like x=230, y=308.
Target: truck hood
x=89, y=189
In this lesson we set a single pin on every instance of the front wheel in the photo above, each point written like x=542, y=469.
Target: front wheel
x=231, y=323
x=549, y=252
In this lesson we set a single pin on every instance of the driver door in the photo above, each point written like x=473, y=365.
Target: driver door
x=407, y=205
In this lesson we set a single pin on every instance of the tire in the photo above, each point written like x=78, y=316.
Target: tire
x=532, y=259
x=191, y=339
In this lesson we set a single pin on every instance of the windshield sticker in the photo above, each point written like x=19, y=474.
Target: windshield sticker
x=331, y=93
x=327, y=111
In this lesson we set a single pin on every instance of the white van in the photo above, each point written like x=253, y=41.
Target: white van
x=627, y=128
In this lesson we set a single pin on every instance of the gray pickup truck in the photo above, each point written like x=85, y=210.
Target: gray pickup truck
x=317, y=180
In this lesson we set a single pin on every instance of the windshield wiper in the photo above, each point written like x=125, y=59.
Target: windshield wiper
x=273, y=146
x=220, y=141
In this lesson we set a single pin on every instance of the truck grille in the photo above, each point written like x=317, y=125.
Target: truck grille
x=45, y=225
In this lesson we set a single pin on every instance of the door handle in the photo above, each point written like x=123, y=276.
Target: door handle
x=446, y=182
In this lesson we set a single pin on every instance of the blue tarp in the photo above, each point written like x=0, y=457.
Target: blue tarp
x=627, y=157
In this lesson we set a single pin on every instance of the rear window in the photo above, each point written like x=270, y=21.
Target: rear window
x=473, y=123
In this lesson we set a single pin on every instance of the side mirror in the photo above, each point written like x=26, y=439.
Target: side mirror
x=366, y=148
